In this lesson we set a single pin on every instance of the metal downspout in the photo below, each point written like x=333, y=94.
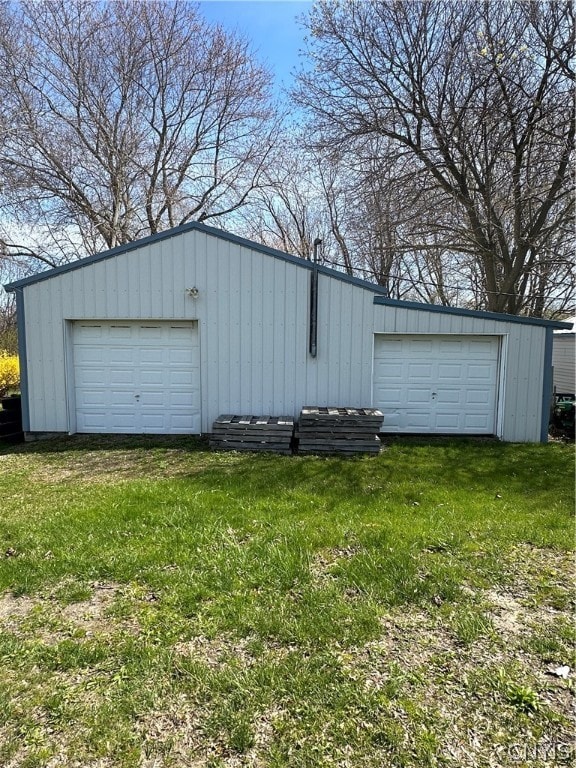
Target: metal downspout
x=313, y=342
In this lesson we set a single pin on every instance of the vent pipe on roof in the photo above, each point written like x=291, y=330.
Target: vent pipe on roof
x=313, y=345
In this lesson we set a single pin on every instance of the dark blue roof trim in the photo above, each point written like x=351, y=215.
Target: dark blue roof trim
x=471, y=313
x=547, y=385
x=23, y=358
x=194, y=225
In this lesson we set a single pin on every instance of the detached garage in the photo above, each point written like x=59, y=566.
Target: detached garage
x=162, y=335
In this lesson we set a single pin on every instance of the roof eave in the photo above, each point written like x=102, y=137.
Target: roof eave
x=191, y=226
x=500, y=316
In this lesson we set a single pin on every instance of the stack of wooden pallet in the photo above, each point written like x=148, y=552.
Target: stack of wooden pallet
x=339, y=430
x=252, y=433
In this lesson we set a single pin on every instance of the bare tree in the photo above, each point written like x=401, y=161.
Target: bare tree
x=126, y=118
x=367, y=207
x=481, y=96
x=8, y=332
x=297, y=204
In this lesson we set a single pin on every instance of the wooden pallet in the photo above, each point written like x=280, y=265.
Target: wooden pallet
x=229, y=445
x=252, y=433
x=340, y=446
x=339, y=430
x=328, y=412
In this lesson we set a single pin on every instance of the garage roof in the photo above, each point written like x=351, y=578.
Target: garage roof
x=471, y=313
x=174, y=232
x=223, y=235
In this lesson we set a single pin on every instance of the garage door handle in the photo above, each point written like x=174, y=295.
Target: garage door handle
x=434, y=394
x=137, y=397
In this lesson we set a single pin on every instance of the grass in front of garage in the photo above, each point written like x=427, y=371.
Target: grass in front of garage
x=161, y=605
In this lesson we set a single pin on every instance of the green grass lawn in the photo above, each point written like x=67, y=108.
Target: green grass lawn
x=161, y=605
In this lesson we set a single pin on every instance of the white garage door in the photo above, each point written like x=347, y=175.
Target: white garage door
x=137, y=377
x=444, y=384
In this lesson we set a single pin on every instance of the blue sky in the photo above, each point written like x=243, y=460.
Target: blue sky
x=271, y=27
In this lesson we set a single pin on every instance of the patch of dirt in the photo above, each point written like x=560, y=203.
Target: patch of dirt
x=535, y=577
x=324, y=560
x=24, y=615
x=215, y=652
x=13, y=608
x=176, y=731
x=409, y=640
x=462, y=688
x=114, y=466
x=507, y=614
x=104, y=458
x=175, y=736
x=91, y=614
x=58, y=761
x=528, y=568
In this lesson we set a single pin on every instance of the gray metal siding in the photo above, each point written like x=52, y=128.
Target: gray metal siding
x=252, y=312
x=563, y=362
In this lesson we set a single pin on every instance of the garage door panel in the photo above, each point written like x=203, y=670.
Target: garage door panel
x=181, y=356
x=152, y=377
x=183, y=378
x=181, y=399
x=117, y=376
x=153, y=421
x=481, y=348
x=476, y=422
x=119, y=333
x=450, y=371
x=449, y=396
x=125, y=422
x=136, y=377
x=154, y=399
x=416, y=396
x=86, y=355
x=152, y=356
x=150, y=333
x=420, y=371
x=118, y=355
x=90, y=377
x=485, y=372
x=450, y=347
x=394, y=349
x=93, y=422
x=478, y=397
x=180, y=423
x=416, y=421
x=106, y=421
x=393, y=420
x=441, y=384
x=447, y=422
x=90, y=332
x=393, y=366
x=88, y=398
x=387, y=395
x=420, y=346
